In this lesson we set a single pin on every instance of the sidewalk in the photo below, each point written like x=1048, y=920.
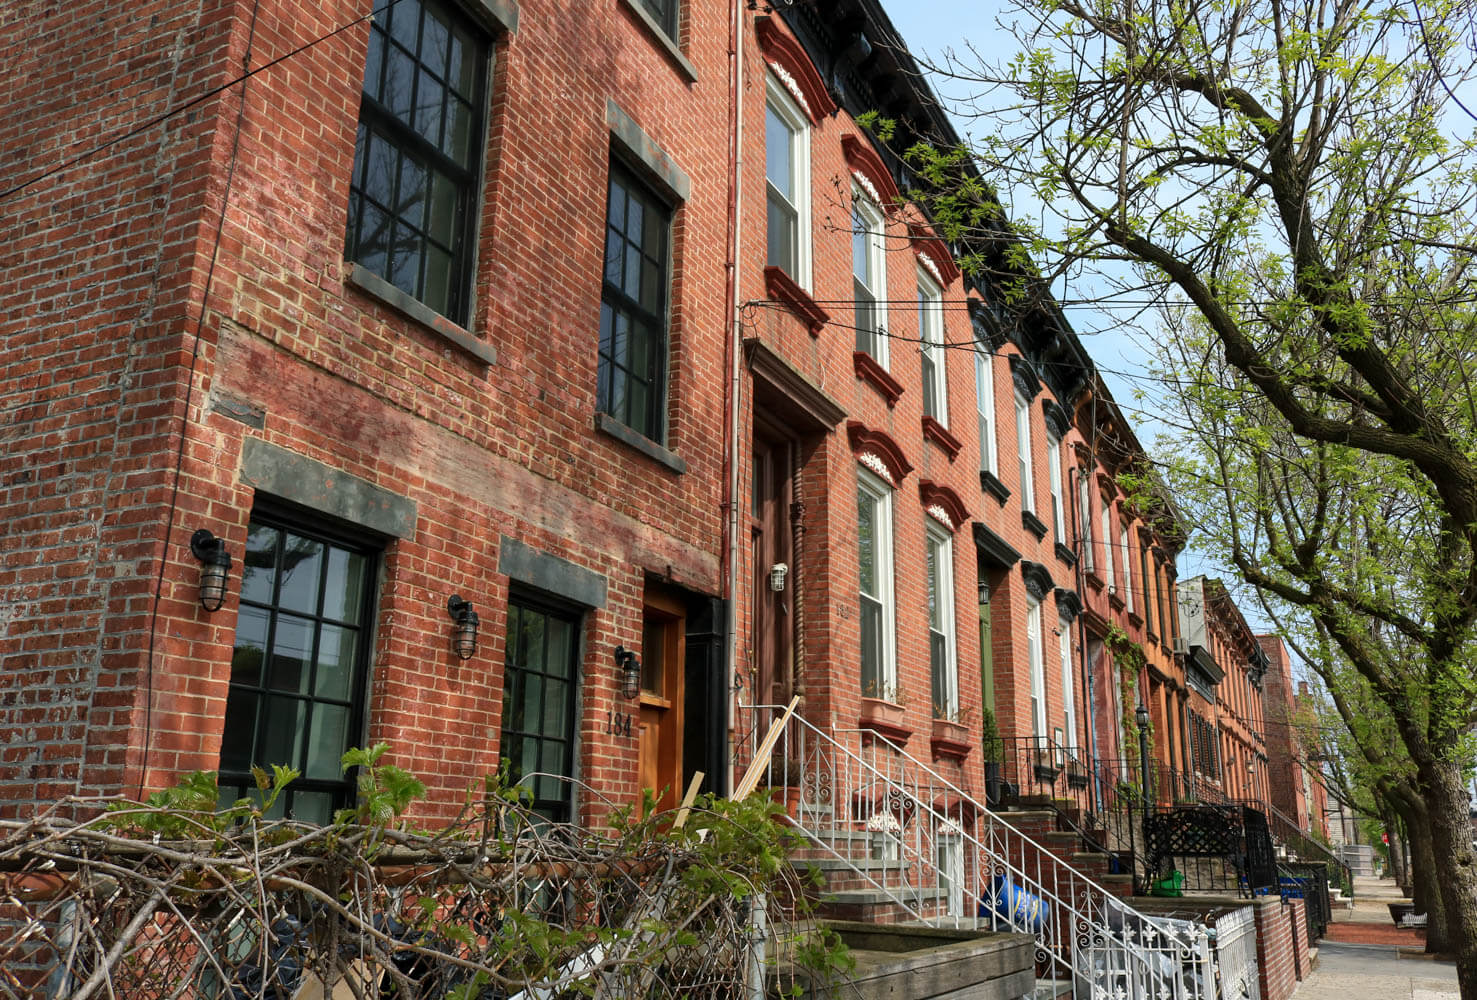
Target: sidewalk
x=1365, y=955
x=1376, y=972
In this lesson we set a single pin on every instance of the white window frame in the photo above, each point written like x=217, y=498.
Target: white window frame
x=941, y=604
x=931, y=345
x=1036, y=656
x=874, y=232
x=984, y=404
x=872, y=485
x=1110, y=577
x=1123, y=542
x=949, y=850
x=1084, y=497
x=1069, y=703
x=1054, y=474
x=778, y=99
x=1025, y=463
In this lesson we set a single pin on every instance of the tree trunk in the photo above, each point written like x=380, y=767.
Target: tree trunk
x=1426, y=876
x=1391, y=818
x=1451, y=841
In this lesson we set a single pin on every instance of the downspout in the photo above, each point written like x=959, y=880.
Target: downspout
x=1094, y=793
x=733, y=355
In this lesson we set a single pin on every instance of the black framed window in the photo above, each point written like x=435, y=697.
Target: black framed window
x=413, y=195
x=299, y=667
x=664, y=13
x=539, y=703
x=633, y=306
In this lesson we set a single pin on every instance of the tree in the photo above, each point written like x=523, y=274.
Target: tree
x=1280, y=186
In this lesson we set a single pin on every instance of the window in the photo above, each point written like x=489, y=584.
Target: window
x=1127, y=567
x=1084, y=503
x=539, y=703
x=787, y=172
x=1054, y=473
x=1109, y=576
x=664, y=13
x=298, y=670
x=1023, y=452
x=931, y=338
x=869, y=277
x=1147, y=582
x=984, y=404
x=1069, y=703
x=413, y=194
x=942, y=662
x=633, y=307
x=950, y=861
x=874, y=556
x=1035, y=655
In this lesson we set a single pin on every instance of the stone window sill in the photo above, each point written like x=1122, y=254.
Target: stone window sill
x=869, y=371
x=939, y=435
x=382, y=291
x=606, y=424
x=786, y=290
x=662, y=40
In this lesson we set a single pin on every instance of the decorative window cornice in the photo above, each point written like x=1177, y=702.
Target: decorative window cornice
x=943, y=504
x=878, y=452
x=1038, y=579
x=931, y=247
x=1057, y=420
x=869, y=170
x=994, y=551
x=1024, y=374
x=1068, y=604
x=793, y=68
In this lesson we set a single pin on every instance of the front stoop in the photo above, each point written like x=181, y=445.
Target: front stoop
x=914, y=962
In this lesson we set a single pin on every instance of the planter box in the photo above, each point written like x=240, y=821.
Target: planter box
x=950, y=739
x=885, y=718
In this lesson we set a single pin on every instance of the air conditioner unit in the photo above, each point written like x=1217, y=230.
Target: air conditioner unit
x=1182, y=645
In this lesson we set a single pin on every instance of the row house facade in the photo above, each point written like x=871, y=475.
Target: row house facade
x=1295, y=782
x=416, y=333
x=1226, y=722
x=560, y=406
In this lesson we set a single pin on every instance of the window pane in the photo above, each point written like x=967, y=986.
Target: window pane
x=251, y=647
x=779, y=154
x=259, y=564
x=867, y=541
x=330, y=740
x=302, y=565
x=456, y=141
x=397, y=96
x=435, y=36
x=871, y=628
x=462, y=72
x=240, y=731
x=336, y=657
x=312, y=807
x=343, y=591
x=292, y=648
x=374, y=64
x=373, y=248
x=781, y=234
x=282, y=738
x=428, y=107
x=411, y=201
x=437, y=291
x=653, y=651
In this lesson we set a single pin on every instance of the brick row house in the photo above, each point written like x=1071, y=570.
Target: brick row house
x=548, y=404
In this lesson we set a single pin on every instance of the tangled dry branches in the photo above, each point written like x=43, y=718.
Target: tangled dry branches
x=500, y=904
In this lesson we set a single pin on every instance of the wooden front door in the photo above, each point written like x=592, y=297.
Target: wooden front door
x=772, y=629
x=662, y=697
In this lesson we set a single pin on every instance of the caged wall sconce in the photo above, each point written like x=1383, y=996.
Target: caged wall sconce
x=215, y=568
x=464, y=634
x=630, y=668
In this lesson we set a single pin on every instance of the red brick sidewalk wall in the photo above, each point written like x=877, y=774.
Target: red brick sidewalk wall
x=1276, y=970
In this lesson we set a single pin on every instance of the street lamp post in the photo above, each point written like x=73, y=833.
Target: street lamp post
x=1141, y=716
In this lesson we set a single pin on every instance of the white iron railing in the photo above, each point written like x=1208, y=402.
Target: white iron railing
x=932, y=850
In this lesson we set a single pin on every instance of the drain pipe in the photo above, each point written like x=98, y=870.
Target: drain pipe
x=758, y=940
x=733, y=358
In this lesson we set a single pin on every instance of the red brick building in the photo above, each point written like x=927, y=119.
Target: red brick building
x=1225, y=665
x=501, y=386
x=632, y=351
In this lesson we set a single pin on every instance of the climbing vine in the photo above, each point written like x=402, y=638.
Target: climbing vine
x=1129, y=657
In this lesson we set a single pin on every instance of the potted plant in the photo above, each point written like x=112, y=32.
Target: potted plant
x=950, y=735
x=993, y=749
x=785, y=784
x=884, y=711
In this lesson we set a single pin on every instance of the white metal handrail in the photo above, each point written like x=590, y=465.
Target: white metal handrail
x=939, y=855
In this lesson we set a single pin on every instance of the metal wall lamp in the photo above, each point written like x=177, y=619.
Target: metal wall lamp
x=464, y=634
x=630, y=670
x=215, y=567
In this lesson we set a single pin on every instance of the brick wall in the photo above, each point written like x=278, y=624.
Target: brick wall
x=1277, y=967
x=112, y=257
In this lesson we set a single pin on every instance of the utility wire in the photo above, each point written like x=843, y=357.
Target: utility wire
x=187, y=105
